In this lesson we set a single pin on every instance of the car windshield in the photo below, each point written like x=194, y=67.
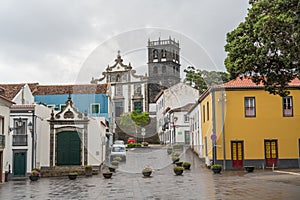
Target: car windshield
x=118, y=149
x=119, y=142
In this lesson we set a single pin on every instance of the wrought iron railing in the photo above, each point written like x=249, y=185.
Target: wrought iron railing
x=20, y=140
x=2, y=141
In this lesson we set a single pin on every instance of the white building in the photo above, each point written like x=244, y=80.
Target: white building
x=4, y=124
x=126, y=90
x=194, y=115
x=176, y=97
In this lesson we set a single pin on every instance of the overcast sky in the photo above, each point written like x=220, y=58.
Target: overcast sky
x=66, y=42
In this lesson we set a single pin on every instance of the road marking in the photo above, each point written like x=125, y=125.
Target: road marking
x=293, y=173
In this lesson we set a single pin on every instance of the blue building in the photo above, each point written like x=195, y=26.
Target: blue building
x=87, y=98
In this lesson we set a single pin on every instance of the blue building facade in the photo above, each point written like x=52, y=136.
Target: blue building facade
x=90, y=99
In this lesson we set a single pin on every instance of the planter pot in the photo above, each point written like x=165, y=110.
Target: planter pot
x=249, y=168
x=107, y=174
x=175, y=159
x=186, y=165
x=179, y=164
x=147, y=174
x=115, y=163
x=216, y=170
x=169, y=151
x=72, y=176
x=112, y=169
x=34, y=178
x=178, y=172
x=88, y=172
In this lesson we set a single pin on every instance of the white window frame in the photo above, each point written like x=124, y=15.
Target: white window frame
x=250, y=106
x=287, y=102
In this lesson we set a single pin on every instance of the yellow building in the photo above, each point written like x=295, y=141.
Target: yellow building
x=244, y=125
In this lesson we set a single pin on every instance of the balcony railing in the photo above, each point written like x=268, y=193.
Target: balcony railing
x=19, y=140
x=2, y=141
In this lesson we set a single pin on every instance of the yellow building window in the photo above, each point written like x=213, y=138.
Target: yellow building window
x=249, y=103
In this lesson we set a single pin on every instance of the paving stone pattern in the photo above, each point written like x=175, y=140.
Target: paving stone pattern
x=128, y=183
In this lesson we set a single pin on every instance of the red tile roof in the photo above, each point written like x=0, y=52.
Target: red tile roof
x=248, y=83
x=71, y=89
x=11, y=90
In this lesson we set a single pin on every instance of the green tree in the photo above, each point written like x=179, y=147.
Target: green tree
x=202, y=79
x=134, y=120
x=266, y=45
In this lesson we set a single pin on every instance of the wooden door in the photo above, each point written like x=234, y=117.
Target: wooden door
x=68, y=148
x=19, y=163
x=271, y=153
x=237, y=154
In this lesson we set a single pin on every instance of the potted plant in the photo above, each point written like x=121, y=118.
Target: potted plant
x=179, y=163
x=249, y=168
x=169, y=150
x=119, y=159
x=34, y=175
x=178, y=170
x=107, y=174
x=147, y=171
x=175, y=159
x=72, y=175
x=112, y=168
x=115, y=163
x=145, y=144
x=186, y=165
x=88, y=170
x=216, y=168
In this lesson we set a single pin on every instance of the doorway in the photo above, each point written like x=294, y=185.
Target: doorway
x=237, y=154
x=271, y=153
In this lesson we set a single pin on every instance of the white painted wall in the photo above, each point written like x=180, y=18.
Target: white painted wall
x=4, y=112
x=26, y=94
x=96, y=141
x=195, y=130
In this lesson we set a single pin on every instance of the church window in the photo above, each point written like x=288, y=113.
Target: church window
x=155, y=70
x=155, y=54
x=163, y=53
x=119, y=90
x=112, y=78
x=137, y=88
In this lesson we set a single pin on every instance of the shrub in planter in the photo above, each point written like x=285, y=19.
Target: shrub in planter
x=179, y=163
x=178, y=170
x=249, y=168
x=115, y=163
x=169, y=150
x=216, y=168
x=186, y=165
x=175, y=159
x=88, y=170
x=147, y=171
x=72, y=175
x=34, y=175
x=112, y=168
x=107, y=174
x=145, y=144
x=117, y=159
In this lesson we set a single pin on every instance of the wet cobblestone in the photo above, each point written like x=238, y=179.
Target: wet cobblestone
x=127, y=183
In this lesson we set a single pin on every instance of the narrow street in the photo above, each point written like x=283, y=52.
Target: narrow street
x=129, y=183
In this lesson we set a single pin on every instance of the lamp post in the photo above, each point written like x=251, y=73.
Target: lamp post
x=223, y=100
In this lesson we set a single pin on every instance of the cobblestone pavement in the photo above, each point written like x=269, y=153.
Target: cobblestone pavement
x=128, y=182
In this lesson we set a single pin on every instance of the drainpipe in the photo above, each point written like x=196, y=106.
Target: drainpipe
x=33, y=140
x=214, y=126
x=223, y=100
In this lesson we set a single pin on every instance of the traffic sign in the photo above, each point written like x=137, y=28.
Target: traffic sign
x=213, y=137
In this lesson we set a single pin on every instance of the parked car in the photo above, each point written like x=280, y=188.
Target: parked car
x=118, y=150
x=130, y=140
x=119, y=142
